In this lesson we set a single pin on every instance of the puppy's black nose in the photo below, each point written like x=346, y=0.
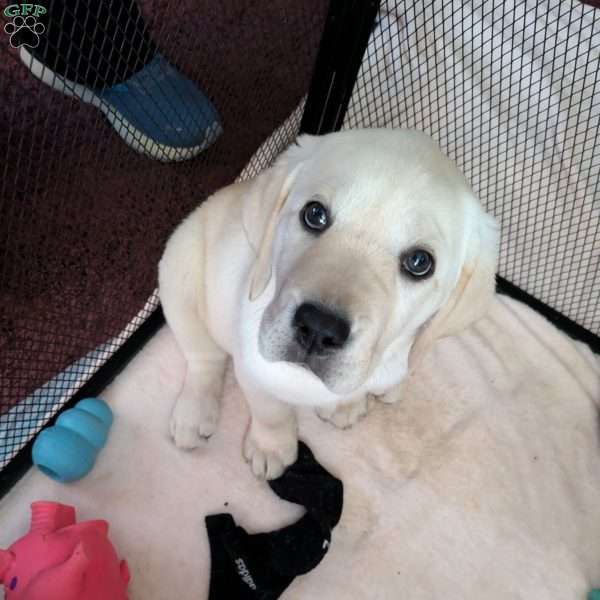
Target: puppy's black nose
x=318, y=330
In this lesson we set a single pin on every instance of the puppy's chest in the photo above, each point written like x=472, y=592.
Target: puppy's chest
x=391, y=368
x=386, y=376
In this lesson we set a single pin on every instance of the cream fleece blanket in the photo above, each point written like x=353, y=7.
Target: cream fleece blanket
x=483, y=482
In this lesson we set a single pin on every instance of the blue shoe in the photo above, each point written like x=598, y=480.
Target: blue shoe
x=157, y=111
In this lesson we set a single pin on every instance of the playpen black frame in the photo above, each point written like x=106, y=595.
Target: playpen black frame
x=345, y=37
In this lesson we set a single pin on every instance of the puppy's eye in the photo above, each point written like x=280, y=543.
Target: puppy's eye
x=418, y=263
x=314, y=217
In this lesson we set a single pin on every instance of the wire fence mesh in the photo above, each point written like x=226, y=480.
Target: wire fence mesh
x=92, y=178
x=89, y=193
x=510, y=90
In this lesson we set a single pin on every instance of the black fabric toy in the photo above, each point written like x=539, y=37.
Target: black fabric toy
x=261, y=566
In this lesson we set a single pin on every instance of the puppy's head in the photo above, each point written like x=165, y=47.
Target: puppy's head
x=377, y=247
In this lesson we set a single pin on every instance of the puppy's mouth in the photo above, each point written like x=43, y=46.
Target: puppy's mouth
x=314, y=363
x=316, y=339
x=328, y=368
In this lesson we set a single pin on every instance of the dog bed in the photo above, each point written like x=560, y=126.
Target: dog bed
x=484, y=481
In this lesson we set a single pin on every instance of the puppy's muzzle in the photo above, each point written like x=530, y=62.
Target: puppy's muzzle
x=319, y=331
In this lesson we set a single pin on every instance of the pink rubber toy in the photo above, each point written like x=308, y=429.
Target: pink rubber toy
x=60, y=559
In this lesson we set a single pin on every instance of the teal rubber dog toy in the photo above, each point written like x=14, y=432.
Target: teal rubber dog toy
x=67, y=451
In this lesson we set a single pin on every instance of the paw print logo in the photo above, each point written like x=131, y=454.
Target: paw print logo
x=24, y=31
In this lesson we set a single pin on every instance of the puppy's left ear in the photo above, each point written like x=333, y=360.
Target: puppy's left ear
x=474, y=289
x=262, y=207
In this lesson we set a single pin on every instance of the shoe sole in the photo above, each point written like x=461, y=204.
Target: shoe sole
x=133, y=137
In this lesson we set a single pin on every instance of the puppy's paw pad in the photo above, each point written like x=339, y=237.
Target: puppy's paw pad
x=193, y=422
x=344, y=416
x=271, y=462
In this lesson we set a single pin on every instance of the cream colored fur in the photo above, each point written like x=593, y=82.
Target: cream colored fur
x=236, y=269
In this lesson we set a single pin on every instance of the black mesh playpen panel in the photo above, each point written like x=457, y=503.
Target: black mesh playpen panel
x=508, y=89
x=83, y=217
x=511, y=91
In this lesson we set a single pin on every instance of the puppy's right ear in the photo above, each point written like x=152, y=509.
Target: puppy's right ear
x=262, y=207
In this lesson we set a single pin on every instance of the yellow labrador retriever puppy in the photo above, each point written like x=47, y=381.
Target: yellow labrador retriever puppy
x=325, y=279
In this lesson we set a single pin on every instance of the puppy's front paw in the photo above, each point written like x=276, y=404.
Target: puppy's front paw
x=269, y=450
x=347, y=414
x=193, y=420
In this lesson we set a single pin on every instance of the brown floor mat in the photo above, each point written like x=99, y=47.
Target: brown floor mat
x=83, y=218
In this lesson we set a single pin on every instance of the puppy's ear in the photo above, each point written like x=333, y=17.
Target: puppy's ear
x=474, y=289
x=262, y=206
